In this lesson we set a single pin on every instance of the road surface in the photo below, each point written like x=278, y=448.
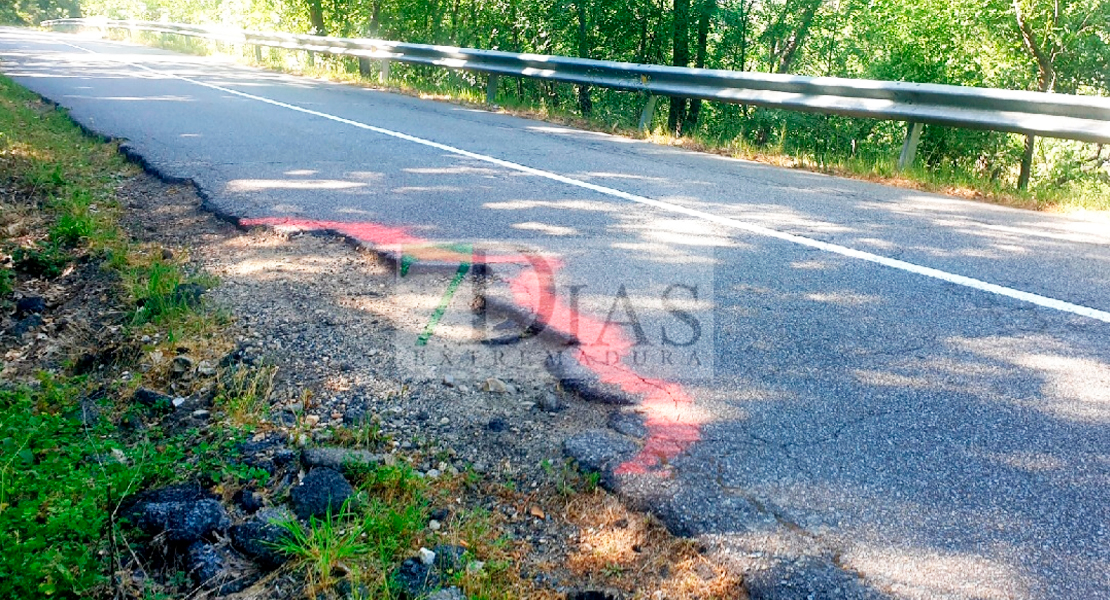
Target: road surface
x=898, y=393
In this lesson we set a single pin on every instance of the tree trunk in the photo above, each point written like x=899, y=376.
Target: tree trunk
x=680, y=57
x=585, y=103
x=316, y=17
x=790, y=50
x=704, y=18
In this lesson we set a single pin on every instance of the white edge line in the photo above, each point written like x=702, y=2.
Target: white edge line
x=893, y=263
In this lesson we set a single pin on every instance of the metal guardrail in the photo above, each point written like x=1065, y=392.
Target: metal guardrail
x=1082, y=118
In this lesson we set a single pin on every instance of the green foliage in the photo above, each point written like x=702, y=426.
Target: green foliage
x=244, y=394
x=367, y=537
x=964, y=42
x=59, y=479
x=44, y=259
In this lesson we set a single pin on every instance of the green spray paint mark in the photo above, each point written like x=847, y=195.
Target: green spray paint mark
x=437, y=314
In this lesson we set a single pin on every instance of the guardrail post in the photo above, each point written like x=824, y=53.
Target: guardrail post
x=909, y=146
x=257, y=53
x=364, y=66
x=491, y=89
x=1026, y=162
x=648, y=113
x=383, y=74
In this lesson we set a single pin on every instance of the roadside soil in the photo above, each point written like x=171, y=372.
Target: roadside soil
x=325, y=314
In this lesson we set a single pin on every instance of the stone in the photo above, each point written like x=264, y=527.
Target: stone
x=551, y=402
x=256, y=538
x=496, y=425
x=494, y=385
x=248, y=500
x=201, y=413
x=597, y=450
x=182, y=364
x=321, y=492
x=28, y=305
x=186, y=521
x=26, y=324
x=416, y=579
x=152, y=399
x=434, y=525
x=206, y=369
x=427, y=557
x=449, y=558
x=451, y=593
x=630, y=424
x=214, y=567
x=339, y=459
x=450, y=381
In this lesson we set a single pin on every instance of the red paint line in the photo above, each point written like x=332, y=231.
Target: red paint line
x=672, y=421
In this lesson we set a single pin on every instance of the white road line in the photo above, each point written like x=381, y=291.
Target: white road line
x=669, y=207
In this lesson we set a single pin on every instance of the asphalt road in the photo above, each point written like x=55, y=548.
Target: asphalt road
x=909, y=387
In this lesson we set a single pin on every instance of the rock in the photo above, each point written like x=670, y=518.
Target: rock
x=434, y=525
x=356, y=416
x=440, y=514
x=597, y=450
x=451, y=593
x=178, y=401
x=416, y=580
x=475, y=566
x=312, y=420
x=427, y=557
x=167, y=254
x=188, y=294
x=256, y=538
x=323, y=491
x=201, y=413
x=181, y=365
x=496, y=425
x=214, y=567
x=450, y=381
x=205, y=563
x=26, y=324
x=152, y=399
x=339, y=459
x=591, y=595
x=248, y=500
x=449, y=558
x=205, y=368
x=630, y=424
x=183, y=521
x=551, y=402
x=494, y=385
x=28, y=305
x=284, y=456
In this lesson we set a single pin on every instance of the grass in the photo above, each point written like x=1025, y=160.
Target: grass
x=243, y=394
x=62, y=476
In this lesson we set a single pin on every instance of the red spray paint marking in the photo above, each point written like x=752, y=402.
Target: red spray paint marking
x=672, y=421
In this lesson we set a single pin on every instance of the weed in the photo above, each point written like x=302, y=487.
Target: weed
x=7, y=283
x=366, y=537
x=44, y=259
x=243, y=394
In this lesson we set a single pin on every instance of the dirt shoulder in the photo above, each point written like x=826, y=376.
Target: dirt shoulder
x=189, y=409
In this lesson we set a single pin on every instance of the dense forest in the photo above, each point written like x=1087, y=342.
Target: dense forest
x=1060, y=46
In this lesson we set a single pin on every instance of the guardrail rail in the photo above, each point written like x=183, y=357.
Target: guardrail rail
x=1082, y=118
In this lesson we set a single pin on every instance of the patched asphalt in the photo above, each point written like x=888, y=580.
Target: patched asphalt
x=864, y=430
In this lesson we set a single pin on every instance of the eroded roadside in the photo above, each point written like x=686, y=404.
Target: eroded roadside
x=281, y=431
